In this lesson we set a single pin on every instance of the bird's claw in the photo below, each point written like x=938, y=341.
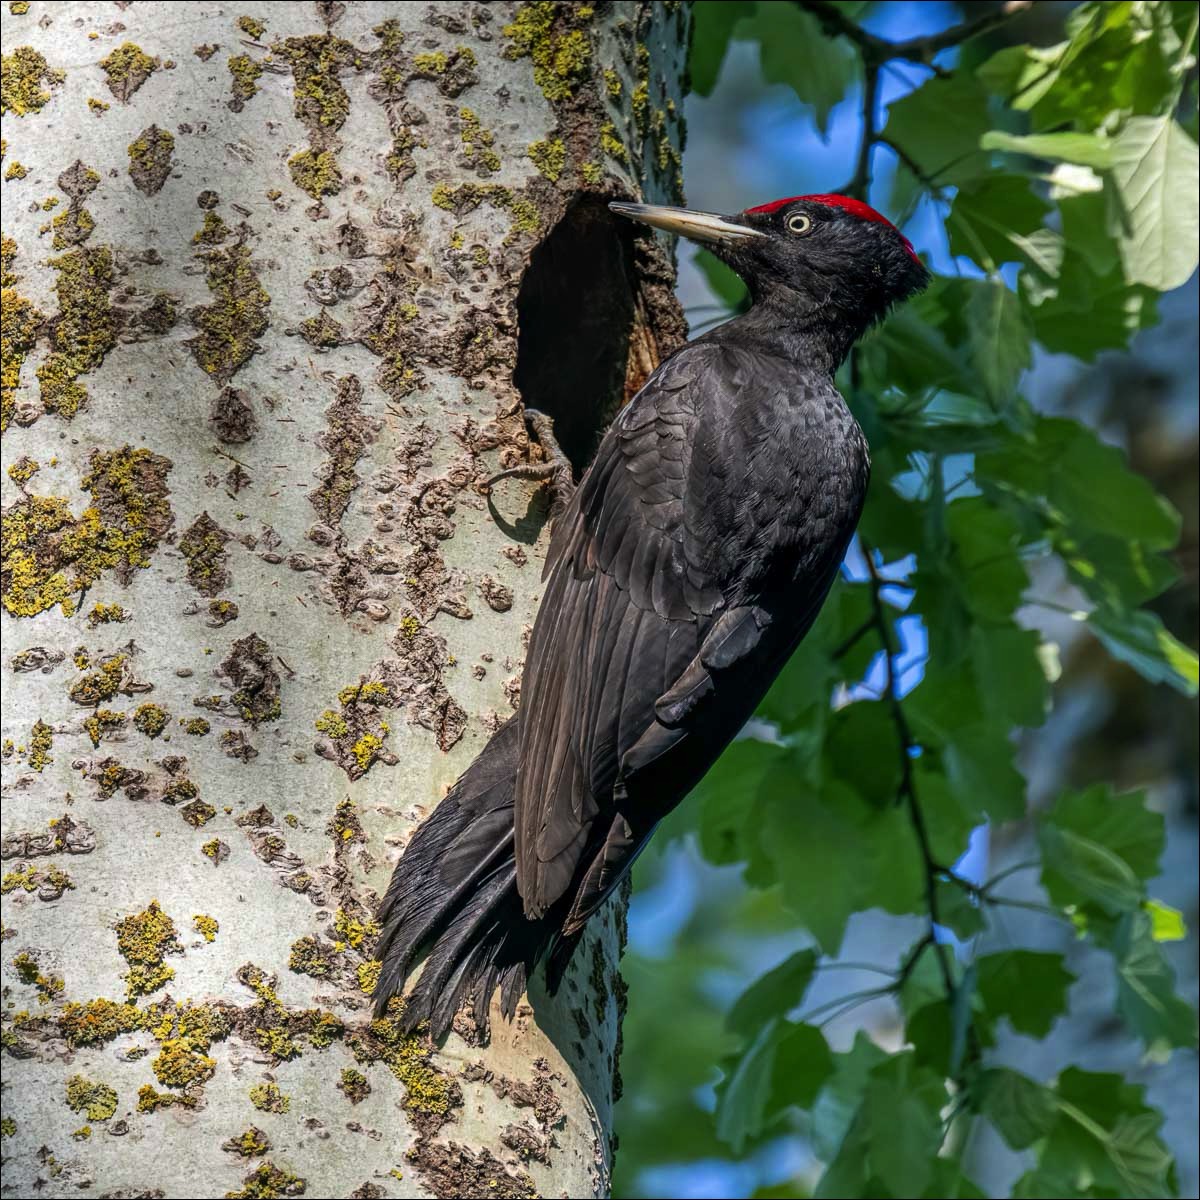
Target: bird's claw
x=556, y=470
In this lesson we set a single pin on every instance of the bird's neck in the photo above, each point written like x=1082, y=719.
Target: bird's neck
x=791, y=325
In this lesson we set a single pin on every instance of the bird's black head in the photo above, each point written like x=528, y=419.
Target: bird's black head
x=829, y=263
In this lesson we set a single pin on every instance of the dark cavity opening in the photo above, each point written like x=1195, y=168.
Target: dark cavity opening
x=575, y=313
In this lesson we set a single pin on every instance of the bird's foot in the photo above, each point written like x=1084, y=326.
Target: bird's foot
x=556, y=470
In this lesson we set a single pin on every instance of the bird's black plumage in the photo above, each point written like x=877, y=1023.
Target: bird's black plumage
x=691, y=560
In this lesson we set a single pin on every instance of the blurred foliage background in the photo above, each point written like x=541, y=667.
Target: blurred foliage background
x=928, y=928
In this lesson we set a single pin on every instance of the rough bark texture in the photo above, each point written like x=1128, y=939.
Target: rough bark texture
x=269, y=277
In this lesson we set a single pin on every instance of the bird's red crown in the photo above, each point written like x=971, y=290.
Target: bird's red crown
x=856, y=208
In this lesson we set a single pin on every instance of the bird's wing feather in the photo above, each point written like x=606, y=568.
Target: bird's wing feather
x=632, y=590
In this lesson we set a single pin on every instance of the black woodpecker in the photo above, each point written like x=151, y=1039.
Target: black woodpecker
x=683, y=571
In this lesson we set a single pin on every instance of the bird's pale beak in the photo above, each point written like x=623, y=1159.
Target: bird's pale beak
x=698, y=226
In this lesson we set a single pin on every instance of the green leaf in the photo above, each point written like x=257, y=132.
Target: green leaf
x=835, y=854
x=1107, y=1138
x=712, y=27
x=1155, y=169
x=1063, y=463
x=774, y=994
x=793, y=51
x=1026, y=986
x=939, y=126
x=1099, y=848
x=893, y=1138
x=980, y=767
x=743, y=1096
x=1166, y=923
x=1115, y=572
x=1009, y=673
x=836, y=1105
x=1021, y=74
x=1139, y=639
x=988, y=562
x=727, y=795
x=1021, y=1110
x=1146, y=998
x=999, y=339
x=989, y=214
x=1086, y=149
x=785, y=1065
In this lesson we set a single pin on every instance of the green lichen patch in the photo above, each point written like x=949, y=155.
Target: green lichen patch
x=99, y=1021
x=611, y=143
x=25, y=77
x=8, y=1127
x=452, y=71
x=208, y=927
x=150, y=159
x=85, y=327
x=552, y=37
x=15, y=170
x=150, y=1100
x=41, y=741
x=72, y=228
x=357, y=733
x=468, y=196
x=48, y=557
x=368, y=974
x=50, y=882
x=144, y=940
x=179, y=790
x=267, y=1097
x=354, y=1085
x=98, y=107
x=195, y=726
x=182, y=1063
x=323, y=332
x=198, y=813
x=430, y=1094
x=126, y=69
x=228, y=327
x=20, y=324
x=111, y=676
x=266, y=1182
x=477, y=143
x=309, y=957
x=352, y=931
x=151, y=719
x=320, y=101
x=29, y=971
x=244, y=74
x=252, y=1143
x=216, y=851
x=549, y=156
x=104, y=722
x=203, y=548
x=98, y=1100
x=252, y=27
x=315, y=172
x=107, y=614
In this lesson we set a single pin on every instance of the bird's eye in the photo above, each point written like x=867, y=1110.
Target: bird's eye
x=799, y=223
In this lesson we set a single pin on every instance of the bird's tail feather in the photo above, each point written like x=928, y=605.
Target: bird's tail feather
x=454, y=893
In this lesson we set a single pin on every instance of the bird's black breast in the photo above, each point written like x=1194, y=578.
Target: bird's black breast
x=778, y=470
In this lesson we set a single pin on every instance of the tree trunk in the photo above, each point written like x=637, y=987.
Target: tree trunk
x=272, y=283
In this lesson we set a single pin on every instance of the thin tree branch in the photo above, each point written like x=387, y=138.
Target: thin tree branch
x=876, y=50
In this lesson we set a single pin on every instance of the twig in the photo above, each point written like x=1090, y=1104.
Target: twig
x=876, y=50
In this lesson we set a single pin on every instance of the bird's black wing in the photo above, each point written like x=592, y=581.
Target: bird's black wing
x=635, y=621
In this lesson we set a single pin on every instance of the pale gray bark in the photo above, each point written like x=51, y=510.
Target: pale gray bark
x=285, y=405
